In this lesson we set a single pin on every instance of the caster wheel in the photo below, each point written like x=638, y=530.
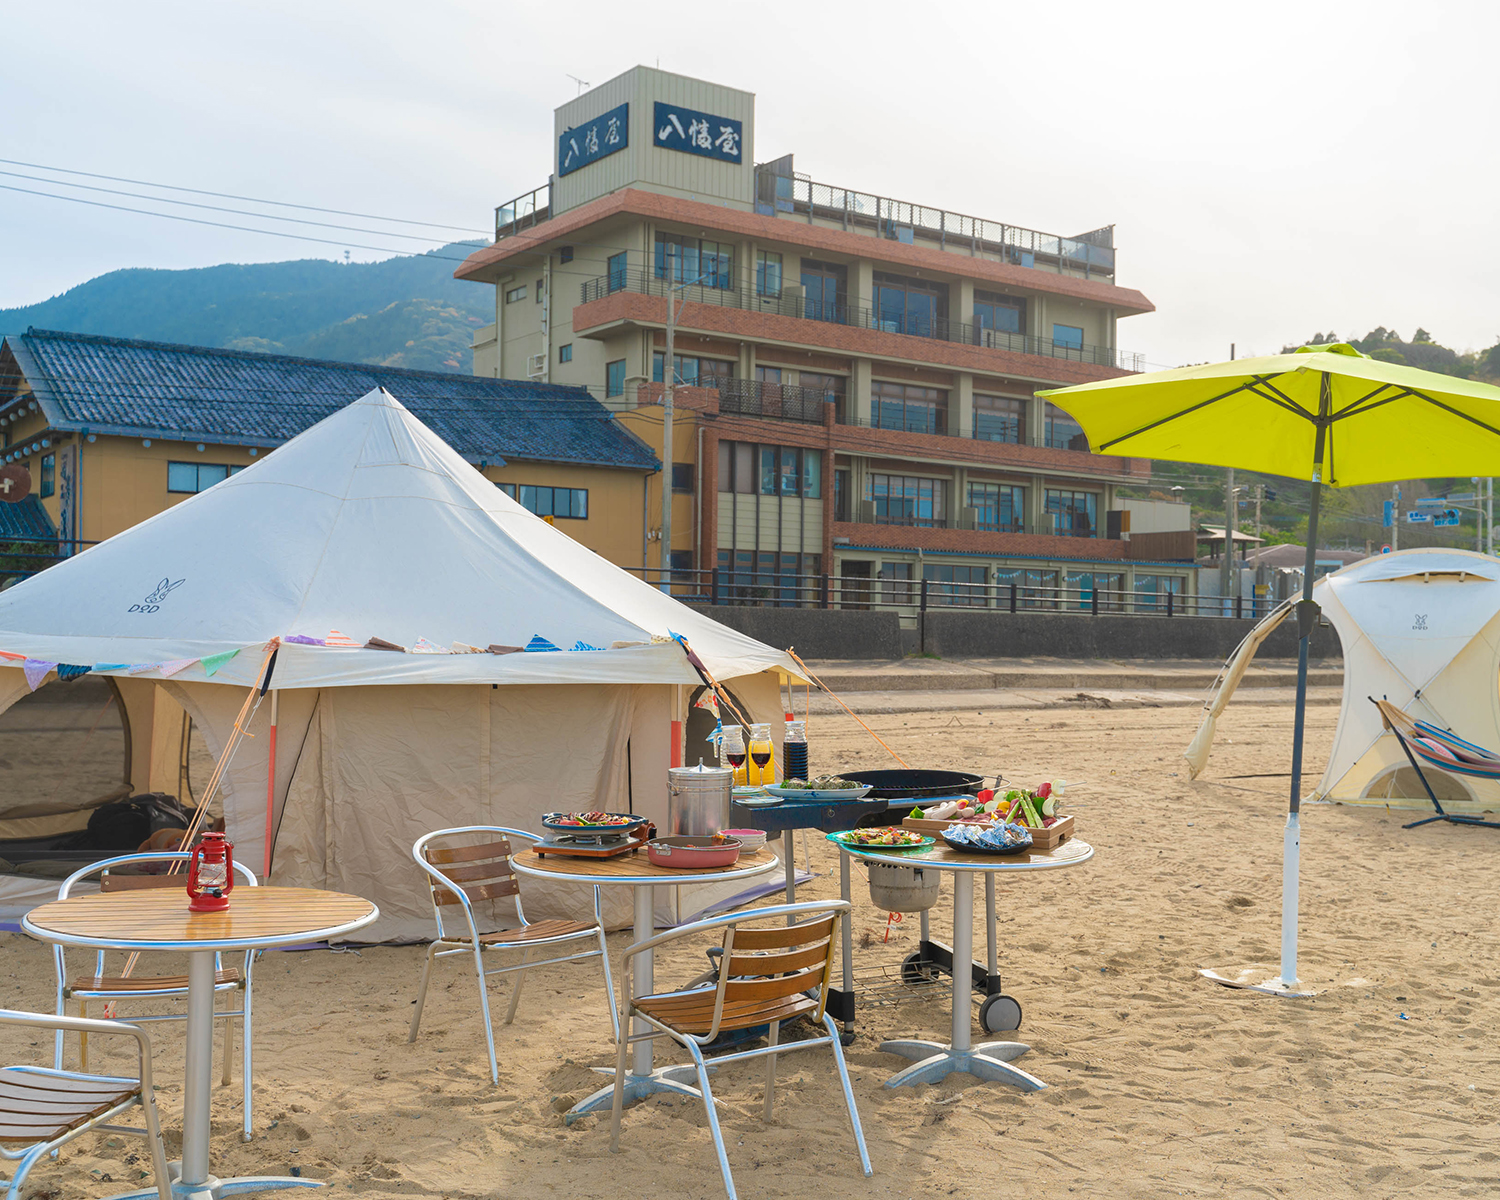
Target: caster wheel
x=915, y=971
x=1000, y=1014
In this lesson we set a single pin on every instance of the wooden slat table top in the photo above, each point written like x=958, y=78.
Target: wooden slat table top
x=160, y=920
x=942, y=856
x=636, y=868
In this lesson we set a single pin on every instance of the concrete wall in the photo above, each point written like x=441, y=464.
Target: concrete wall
x=814, y=632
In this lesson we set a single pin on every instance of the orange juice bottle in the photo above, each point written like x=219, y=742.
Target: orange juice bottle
x=762, y=759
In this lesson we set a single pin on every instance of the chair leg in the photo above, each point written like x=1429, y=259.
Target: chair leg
x=83, y=1038
x=619, y=1101
x=23, y=1167
x=416, y=1017
x=158, y=1151
x=515, y=992
x=609, y=986
x=838, y=1058
x=713, y=1118
x=771, y=1072
x=228, y=1050
x=248, y=1128
x=484, y=1008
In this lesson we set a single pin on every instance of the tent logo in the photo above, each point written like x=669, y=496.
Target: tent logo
x=1420, y=622
x=154, y=601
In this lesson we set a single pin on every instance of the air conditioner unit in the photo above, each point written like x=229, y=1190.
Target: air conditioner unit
x=536, y=366
x=864, y=512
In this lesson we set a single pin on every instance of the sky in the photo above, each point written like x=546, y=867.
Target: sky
x=1272, y=171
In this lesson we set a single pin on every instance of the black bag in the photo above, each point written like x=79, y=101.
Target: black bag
x=121, y=825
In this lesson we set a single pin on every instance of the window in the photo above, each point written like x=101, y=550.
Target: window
x=1033, y=588
x=48, y=482
x=196, y=477
x=556, y=502
x=692, y=372
x=1151, y=591
x=812, y=474
x=694, y=260
x=565, y=254
x=767, y=273
x=841, y=495
x=825, y=291
x=786, y=579
x=565, y=353
x=909, y=407
x=948, y=584
x=770, y=470
x=1062, y=432
x=1071, y=514
x=682, y=476
x=737, y=467
x=909, y=305
x=1109, y=587
x=896, y=584
x=1068, y=335
x=907, y=500
x=515, y=293
x=999, y=419
x=614, y=378
x=1001, y=314
x=615, y=271
x=538, y=292
x=831, y=387
x=998, y=507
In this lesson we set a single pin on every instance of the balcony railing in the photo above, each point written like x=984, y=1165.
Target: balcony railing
x=785, y=401
x=791, y=194
x=528, y=209
x=791, y=303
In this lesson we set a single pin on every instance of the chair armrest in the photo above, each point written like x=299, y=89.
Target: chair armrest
x=755, y=914
x=89, y=1025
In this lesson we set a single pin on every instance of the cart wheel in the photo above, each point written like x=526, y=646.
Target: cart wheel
x=1000, y=1014
x=915, y=970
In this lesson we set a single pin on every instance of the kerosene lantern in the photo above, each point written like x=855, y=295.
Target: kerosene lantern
x=211, y=874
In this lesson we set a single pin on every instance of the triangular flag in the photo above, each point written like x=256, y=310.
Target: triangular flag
x=423, y=646
x=581, y=645
x=8, y=654
x=342, y=640
x=301, y=639
x=67, y=672
x=142, y=668
x=169, y=669
x=109, y=667
x=36, y=670
x=212, y=662
x=539, y=643
x=464, y=648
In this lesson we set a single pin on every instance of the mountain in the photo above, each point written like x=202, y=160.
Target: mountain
x=404, y=312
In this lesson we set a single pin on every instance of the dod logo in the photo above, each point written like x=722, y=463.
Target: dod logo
x=1419, y=621
x=154, y=601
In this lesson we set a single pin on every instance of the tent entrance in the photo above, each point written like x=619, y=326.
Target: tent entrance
x=1401, y=783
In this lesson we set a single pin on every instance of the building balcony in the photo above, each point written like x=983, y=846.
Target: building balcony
x=528, y=209
x=789, y=302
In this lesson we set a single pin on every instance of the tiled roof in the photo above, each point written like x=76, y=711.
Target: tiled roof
x=156, y=389
x=25, y=519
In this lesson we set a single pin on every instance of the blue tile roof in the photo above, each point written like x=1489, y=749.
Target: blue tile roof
x=234, y=397
x=25, y=520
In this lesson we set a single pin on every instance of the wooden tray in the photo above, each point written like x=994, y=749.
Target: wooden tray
x=1048, y=838
x=614, y=850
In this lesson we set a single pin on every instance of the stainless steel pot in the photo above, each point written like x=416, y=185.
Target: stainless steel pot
x=698, y=799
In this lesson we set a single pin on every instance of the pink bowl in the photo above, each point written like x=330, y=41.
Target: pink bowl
x=693, y=853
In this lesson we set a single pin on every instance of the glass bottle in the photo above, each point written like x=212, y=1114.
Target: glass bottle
x=732, y=748
x=763, y=767
x=794, y=750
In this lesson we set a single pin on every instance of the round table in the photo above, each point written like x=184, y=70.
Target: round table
x=158, y=919
x=635, y=871
x=989, y=1060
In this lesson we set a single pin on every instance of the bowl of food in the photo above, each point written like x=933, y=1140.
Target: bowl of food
x=824, y=787
x=694, y=853
x=883, y=837
x=591, y=822
x=988, y=839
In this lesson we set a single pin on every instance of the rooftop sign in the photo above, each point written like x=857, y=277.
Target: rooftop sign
x=693, y=132
x=593, y=140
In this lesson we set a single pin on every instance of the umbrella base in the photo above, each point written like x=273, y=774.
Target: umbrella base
x=1250, y=979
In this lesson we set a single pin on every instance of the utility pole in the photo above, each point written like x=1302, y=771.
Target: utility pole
x=1226, y=568
x=1395, y=516
x=1260, y=494
x=1489, y=512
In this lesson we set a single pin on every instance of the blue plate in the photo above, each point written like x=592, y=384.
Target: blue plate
x=987, y=839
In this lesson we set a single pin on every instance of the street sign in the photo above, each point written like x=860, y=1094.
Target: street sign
x=1418, y=518
x=1385, y=549
x=1432, y=501
x=1446, y=517
x=15, y=483
x=1461, y=498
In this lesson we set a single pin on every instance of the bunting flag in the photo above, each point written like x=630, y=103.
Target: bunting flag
x=177, y=665
x=67, y=672
x=141, y=668
x=8, y=654
x=581, y=645
x=376, y=643
x=110, y=667
x=342, y=640
x=538, y=643
x=299, y=639
x=496, y=648
x=212, y=662
x=36, y=670
x=465, y=648
x=423, y=646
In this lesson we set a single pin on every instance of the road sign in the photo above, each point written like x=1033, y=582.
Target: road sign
x=15, y=483
x=1461, y=498
x=1446, y=517
x=1432, y=501
x=1390, y=513
x=1418, y=518
x=1385, y=549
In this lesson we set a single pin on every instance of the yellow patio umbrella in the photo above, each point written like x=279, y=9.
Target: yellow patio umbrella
x=1328, y=414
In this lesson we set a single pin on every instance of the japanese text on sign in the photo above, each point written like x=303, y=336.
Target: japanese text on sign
x=698, y=133
x=593, y=140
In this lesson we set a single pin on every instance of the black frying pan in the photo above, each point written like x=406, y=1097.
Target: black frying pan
x=916, y=785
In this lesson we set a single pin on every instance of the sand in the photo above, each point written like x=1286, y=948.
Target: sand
x=1162, y=1083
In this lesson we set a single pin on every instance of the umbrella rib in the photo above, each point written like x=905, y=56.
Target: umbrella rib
x=1281, y=401
x=1249, y=386
x=1367, y=402
x=1448, y=408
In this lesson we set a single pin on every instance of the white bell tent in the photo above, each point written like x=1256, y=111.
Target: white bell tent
x=1420, y=628
x=370, y=526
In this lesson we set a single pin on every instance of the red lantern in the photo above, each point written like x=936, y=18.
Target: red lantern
x=211, y=874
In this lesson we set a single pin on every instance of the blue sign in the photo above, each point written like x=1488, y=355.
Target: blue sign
x=1390, y=513
x=1418, y=518
x=695, y=132
x=593, y=140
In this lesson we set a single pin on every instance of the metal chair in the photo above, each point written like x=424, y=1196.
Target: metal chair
x=42, y=1110
x=459, y=873
x=762, y=977
x=115, y=988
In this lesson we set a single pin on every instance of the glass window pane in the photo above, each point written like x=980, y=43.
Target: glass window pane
x=579, y=506
x=1068, y=335
x=812, y=474
x=182, y=477
x=768, y=470
x=210, y=474
x=744, y=467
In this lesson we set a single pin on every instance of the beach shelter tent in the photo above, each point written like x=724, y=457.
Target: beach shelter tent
x=368, y=524
x=1420, y=628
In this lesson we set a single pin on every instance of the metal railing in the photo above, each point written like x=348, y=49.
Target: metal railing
x=792, y=304
x=901, y=220
x=527, y=209
x=912, y=598
x=784, y=401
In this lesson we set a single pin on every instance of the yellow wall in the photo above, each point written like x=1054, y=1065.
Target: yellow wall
x=613, y=527
x=646, y=424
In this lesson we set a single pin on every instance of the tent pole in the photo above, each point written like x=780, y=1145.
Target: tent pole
x=270, y=787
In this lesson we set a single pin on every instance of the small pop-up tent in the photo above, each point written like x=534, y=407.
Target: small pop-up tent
x=368, y=526
x=1420, y=628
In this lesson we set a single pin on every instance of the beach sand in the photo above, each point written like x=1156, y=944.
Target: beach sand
x=1162, y=1083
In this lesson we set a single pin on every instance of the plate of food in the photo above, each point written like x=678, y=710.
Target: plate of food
x=824, y=787
x=591, y=822
x=883, y=837
x=988, y=839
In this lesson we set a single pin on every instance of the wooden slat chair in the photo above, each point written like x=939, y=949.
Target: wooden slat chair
x=763, y=977
x=138, y=987
x=461, y=872
x=42, y=1109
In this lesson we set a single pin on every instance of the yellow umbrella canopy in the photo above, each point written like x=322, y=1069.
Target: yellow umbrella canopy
x=1380, y=421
